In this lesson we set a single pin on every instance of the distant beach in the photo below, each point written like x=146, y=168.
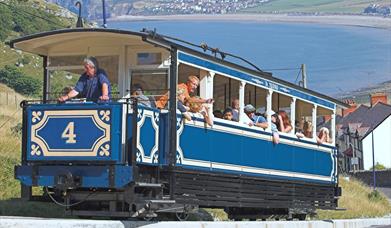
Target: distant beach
x=349, y=20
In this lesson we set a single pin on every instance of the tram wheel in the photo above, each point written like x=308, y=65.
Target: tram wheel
x=182, y=216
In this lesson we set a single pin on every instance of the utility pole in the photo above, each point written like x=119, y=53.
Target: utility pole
x=303, y=76
x=104, y=14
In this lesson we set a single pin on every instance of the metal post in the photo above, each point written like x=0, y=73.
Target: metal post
x=45, y=97
x=373, y=161
x=172, y=119
x=303, y=75
x=104, y=13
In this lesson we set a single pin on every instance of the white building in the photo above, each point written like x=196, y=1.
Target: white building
x=380, y=139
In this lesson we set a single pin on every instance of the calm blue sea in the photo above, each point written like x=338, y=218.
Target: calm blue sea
x=338, y=58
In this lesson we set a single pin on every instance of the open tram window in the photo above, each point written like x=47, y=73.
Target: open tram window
x=282, y=106
x=225, y=91
x=304, y=119
x=324, y=131
x=65, y=71
x=184, y=71
x=150, y=82
x=257, y=97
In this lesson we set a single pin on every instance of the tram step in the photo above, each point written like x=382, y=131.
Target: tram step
x=149, y=185
x=162, y=201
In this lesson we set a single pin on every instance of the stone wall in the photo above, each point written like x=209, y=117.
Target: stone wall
x=383, y=177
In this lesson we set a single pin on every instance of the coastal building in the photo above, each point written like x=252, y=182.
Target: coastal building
x=364, y=132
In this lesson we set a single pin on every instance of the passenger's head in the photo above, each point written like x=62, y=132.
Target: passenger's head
x=91, y=66
x=285, y=118
x=192, y=83
x=181, y=94
x=228, y=114
x=235, y=104
x=137, y=90
x=218, y=114
x=307, y=129
x=249, y=110
x=324, y=132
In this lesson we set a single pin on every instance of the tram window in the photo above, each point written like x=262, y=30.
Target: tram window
x=323, y=125
x=61, y=81
x=257, y=97
x=225, y=90
x=153, y=81
x=184, y=71
x=59, y=61
x=303, y=123
x=64, y=72
x=148, y=58
x=281, y=104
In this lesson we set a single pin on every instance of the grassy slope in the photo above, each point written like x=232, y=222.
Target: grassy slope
x=355, y=199
x=10, y=147
x=325, y=6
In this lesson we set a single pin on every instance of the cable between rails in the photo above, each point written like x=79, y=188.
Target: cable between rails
x=67, y=205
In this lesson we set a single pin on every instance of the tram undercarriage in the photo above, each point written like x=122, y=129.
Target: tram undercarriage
x=241, y=197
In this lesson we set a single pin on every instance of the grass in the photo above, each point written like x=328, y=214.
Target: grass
x=359, y=202
x=10, y=147
x=323, y=6
x=10, y=56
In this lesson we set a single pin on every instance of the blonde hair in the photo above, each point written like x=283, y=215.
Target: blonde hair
x=193, y=77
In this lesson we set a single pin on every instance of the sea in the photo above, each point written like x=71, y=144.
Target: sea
x=338, y=58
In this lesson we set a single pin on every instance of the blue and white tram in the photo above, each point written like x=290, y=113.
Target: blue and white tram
x=128, y=160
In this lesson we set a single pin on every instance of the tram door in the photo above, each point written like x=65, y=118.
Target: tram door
x=147, y=85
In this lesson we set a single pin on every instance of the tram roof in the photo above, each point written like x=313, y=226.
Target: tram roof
x=40, y=43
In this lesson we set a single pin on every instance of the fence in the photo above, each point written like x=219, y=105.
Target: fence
x=10, y=98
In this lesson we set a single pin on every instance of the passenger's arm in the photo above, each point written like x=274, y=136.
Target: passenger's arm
x=263, y=125
x=73, y=93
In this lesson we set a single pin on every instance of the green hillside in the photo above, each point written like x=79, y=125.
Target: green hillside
x=315, y=6
x=23, y=71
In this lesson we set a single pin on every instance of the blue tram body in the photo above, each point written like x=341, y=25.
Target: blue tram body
x=125, y=159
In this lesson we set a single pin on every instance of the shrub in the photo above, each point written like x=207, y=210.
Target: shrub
x=16, y=79
x=379, y=166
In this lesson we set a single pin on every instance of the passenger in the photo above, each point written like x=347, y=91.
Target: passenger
x=256, y=120
x=218, y=114
x=307, y=130
x=180, y=104
x=235, y=109
x=284, y=122
x=228, y=114
x=196, y=104
x=190, y=87
x=323, y=136
x=137, y=91
x=274, y=129
x=93, y=84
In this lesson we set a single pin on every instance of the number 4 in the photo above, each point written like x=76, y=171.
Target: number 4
x=69, y=133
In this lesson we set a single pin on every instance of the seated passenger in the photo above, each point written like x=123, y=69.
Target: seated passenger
x=218, y=114
x=137, y=91
x=228, y=114
x=93, y=84
x=274, y=129
x=190, y=87
x=323, y=136
x=256, y=120
x=180, y=104
x=284, y=124
x=196, y=104
x=307, y=130
x=235, y=109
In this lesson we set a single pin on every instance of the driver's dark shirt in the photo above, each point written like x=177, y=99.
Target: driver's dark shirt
x=91, y=87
